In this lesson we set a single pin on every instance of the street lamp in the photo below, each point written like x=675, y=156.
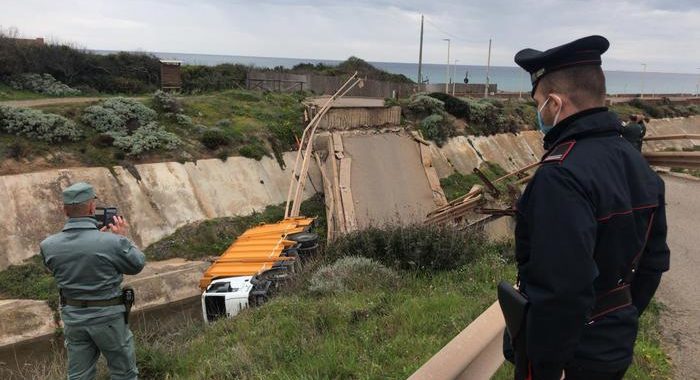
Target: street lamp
x=641, y=94
x=454, y=75
x=697, y=86
x=447, y=75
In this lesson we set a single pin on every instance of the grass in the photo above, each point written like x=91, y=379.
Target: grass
x=378, y=331
x=8, y=93
x=212, y=237
x=458, y=184
x=30, y=280
x=693, y=172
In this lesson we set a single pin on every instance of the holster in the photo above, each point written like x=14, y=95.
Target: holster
x=128, y=298
x=514, y=306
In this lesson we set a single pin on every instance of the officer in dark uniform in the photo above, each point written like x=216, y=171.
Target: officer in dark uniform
x=591, y=225
x=634, y=131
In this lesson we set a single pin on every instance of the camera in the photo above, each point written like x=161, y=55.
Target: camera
x=105, y=216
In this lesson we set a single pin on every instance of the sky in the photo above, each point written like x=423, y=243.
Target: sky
x=664, y=34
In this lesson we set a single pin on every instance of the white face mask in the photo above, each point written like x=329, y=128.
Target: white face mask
x=545, y=127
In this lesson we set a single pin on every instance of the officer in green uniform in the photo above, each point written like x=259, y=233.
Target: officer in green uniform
x=88, y=265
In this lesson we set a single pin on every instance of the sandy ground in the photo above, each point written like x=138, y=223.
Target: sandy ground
x=48, y=102
x=679, y=289
x=55, y=101
x=387, y=179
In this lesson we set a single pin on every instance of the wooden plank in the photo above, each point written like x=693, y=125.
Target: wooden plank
x=339, y=213
x=346, y=194
x=338, y=150
x=433, y=178
x=328, y=198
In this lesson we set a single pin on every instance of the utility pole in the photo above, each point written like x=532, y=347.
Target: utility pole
x=454, y=75
x=420, y=57
x=697, y=86
x=641, y=94
x=488, y=69
x=447, y=74
x=520, y=92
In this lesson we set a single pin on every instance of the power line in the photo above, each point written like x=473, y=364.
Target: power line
x=452, y=35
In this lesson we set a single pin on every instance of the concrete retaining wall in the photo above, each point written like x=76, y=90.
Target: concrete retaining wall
x=514, y=151
x=164, y=197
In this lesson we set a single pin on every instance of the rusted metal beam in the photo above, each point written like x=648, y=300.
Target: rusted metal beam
x=489, y=185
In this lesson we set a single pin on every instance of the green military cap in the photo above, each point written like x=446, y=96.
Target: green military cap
x=78, y=193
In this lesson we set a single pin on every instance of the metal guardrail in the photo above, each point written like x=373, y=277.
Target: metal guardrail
x=475, y=354
x=688, y=160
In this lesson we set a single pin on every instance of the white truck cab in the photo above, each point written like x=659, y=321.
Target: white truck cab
x=226, y=297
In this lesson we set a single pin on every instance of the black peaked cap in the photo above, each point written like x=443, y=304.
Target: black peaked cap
x=584, y=51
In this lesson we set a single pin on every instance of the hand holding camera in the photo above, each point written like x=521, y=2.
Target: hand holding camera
x=117, y=226
x=110, y=221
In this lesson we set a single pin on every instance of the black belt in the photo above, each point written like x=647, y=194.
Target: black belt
x=612, y=300
x=92, y=303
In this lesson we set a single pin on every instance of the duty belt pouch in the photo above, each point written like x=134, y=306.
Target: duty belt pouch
x=128, y=297
x=514, y=306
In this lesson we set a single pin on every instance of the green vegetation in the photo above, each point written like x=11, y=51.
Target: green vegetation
x=8, y=93
x=693, y=172
x=459, y=184
x=665, y=108
x=345, y=315
x=346, y=68
x=82, y=70
x=123, y=131
x=211, y=237
x=30, y=280
x=37, y=125
x=481, y=116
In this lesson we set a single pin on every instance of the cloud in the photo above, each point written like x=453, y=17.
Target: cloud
x=662, y=34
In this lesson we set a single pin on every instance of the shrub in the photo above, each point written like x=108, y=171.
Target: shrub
x=423, y=104
x=16, y=150
x=353, y=274
x=223, y=123
x=253, y=150
x=436, y=127
x=184, y=120
x=103, y=140
x=454, y=106
x=113, y=114
x=166, y=102
x=213, y=78
x=145, y=138
x=649, y=109
x=486, y=117
x=38, y=125
x=410, y=247
x=214, y=138
x=41, y=83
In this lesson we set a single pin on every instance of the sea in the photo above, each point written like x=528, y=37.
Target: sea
x=512, y=79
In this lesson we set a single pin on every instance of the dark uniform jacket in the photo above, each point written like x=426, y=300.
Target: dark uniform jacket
x=592, y=207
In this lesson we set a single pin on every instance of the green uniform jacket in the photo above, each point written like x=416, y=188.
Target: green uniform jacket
x=89, y=265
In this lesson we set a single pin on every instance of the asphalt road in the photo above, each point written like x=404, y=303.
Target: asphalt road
x=680, y=286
